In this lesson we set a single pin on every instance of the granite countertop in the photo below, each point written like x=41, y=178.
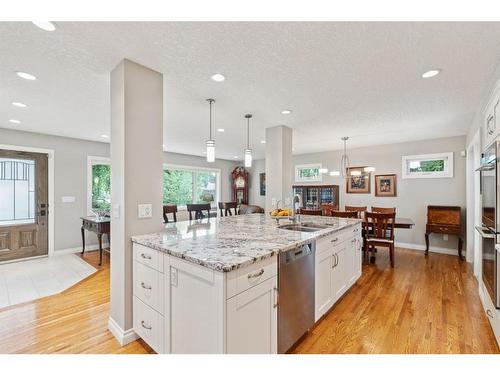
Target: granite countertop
x=227, y=243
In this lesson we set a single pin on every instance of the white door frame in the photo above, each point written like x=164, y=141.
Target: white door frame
x=474, y=202
x=50, y=180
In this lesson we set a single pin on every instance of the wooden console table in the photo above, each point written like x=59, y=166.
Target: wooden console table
x=99, y=227
x=444, y=220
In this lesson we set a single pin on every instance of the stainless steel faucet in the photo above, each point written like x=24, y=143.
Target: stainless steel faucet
x=295, y=207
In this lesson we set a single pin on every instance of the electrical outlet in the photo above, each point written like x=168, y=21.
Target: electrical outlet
x=173, y=276
x=144, y=210
x=445, y=237
x=273, y=201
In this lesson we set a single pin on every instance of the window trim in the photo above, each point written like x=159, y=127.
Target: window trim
x=448, y=165
x=303, y=166
x=195, y=169
x=93, y=160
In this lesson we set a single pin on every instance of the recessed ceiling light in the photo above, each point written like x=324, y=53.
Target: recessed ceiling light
x=286, y=111
x=220, y=130
x=104, y=136
x=263, y=141
x=14, y=121
x=217, y=77
x=45, y=25
x=19, y=104
x=29, y=77
x=431, y=73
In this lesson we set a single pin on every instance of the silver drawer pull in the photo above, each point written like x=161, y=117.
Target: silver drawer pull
x=145, y=326
x=490, y=314
x=145, y=256
x=276, y=297
x=335, y=239
x=145, y=286
x=260, y=273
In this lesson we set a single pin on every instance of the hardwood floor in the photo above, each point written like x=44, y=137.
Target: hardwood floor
x=423, y=305
x=74, y=321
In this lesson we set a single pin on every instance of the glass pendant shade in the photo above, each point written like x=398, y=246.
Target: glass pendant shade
x=248, y=158
x=210, y=151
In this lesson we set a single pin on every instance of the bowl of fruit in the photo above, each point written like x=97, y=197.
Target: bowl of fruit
x=281, y=213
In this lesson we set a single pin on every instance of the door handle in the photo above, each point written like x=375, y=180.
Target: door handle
x=276, y=297
x=489, y=313
x=145, y=286
x=336, y=260
x=145, y=256
x=144, y=325
x=257, y=274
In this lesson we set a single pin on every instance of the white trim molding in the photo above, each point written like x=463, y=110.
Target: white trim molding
x=432, y=249
x=447, y=157
x=50, y=153
x=123, y=337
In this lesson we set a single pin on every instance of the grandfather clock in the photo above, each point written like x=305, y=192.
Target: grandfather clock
x=240, y=185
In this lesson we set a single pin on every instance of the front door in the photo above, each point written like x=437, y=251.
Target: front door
x=23, y=205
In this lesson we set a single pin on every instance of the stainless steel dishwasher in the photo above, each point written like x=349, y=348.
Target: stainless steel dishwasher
x=296, y=295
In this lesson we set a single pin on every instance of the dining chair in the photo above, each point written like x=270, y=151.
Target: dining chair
x=227, y=206
x=384, y=210
x=345, y=214
x=311, y=211
x=246, y=209
x=169, y=209
x=327, y=209
x=198, y=209
x=379, y=231
x=359, y=209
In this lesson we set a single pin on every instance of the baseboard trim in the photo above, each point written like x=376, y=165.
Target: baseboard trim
x=433, y=249
x=78, y=249
x=123, y=337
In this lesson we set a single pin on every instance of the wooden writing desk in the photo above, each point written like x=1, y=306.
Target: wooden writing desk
x=444, y=220
x=99, y=227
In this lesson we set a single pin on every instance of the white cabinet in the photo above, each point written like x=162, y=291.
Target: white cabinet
x=197, y=308
x=492, y=313
x=338, y=266
x=252, y=320
x=491, y=124
x=323, y=292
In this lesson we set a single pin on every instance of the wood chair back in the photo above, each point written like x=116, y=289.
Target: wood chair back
x=379, y=225
x=311, y=211
x=169, y=209
x=246, y=209
x=327, y=209
x=384, y=210
x=359, y=209
x=225, y=208
x=198, y=209
x=346, y=214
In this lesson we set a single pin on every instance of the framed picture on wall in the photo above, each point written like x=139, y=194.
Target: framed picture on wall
x=385, y=185
x=308, y=173
x=358, y=181
x=262, y=183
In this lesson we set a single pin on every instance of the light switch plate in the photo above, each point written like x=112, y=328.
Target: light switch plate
x=273, y=202
x=144, y=210
x=445, y=237
x=116, y=211
x=68, y=199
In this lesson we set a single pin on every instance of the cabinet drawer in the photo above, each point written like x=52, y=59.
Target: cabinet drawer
x=148, y=286
x=148, y=324
x=492, y=314
x=436, y=228
x=149, y=257
x=244, y=278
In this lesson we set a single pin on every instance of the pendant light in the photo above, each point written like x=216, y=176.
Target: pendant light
x=248, y=151
x=210, y=142
x=345, y=163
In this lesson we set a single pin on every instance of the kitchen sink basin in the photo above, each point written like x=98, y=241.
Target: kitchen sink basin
x=303, y=227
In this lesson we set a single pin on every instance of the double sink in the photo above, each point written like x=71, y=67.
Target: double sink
x=304, y=227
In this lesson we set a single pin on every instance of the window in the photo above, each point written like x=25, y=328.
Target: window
x=99, y=183
x=183, y=185
x=428, y=165
x=308, y=173
x=17, y=189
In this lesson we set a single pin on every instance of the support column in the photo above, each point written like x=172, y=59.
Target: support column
x=279, y=166
x=136, y=178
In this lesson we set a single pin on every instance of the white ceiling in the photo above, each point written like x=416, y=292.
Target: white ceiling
x=362, y=80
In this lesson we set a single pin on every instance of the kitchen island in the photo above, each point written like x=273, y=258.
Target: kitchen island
x=211, y=286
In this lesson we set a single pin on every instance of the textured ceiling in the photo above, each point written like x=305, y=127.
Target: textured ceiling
x=362, y=80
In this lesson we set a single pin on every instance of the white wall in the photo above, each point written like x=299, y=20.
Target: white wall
x=70, y=175
x=413, y=195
